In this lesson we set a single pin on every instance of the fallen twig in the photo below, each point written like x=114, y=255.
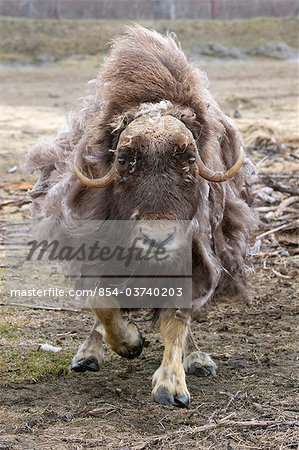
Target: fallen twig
x=281, y=187
x=17, y=202
x=288, y=201
x=213, y=426
x=281, y=227
x=22, y=186
x=266, y=208
x=280, y=275
x=46, y=308
x=280, y=175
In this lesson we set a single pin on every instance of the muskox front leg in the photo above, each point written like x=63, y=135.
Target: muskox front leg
x=197, y=362
x=91, y=353
x=120, y=333
x=169, y=383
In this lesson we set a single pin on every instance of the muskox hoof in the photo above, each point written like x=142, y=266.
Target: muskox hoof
x=129, y=342
x=201, y=371
x=169, y=386
x=83, y=365
x=200, y=364
x=131, y=353
x=164, y=397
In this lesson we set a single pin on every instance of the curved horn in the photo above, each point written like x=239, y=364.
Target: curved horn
x=104, y=181
x=203, y=170
x=219, y=177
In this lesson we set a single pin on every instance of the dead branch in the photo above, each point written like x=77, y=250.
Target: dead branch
x=213, y=426
x=45, y=308
x=288, y=201
x=280, y=275
x=281, y=227
x=281, y=187
x=16, y=202
x=280, y=175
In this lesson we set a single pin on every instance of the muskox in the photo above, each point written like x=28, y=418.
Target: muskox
x=151, y=143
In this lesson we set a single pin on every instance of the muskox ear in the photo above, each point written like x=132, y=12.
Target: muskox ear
x=41, y=186
x=118, y=126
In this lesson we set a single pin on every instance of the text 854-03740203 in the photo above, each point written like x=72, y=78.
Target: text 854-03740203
x=141, y=291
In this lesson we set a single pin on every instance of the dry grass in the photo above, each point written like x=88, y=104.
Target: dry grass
x=269, y=133
x=37, y=40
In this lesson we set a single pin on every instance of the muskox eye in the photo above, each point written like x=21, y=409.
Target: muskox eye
x=191, y=160
x=121, y=161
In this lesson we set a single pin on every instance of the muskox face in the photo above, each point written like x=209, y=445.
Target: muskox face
x=156, y=174
x=156, y=180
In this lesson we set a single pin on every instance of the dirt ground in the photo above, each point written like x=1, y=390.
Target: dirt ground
x=253, y=401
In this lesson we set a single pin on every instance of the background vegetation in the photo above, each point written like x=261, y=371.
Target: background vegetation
x=33, y=41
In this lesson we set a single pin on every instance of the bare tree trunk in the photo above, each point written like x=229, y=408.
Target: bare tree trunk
x=158, y=9
x=213, y=9
x=171, y=9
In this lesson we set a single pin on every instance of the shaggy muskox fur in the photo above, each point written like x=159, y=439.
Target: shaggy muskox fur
x=148, y=73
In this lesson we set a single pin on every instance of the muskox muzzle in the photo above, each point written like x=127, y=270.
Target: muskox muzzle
x=166, y=237
x=158, y=236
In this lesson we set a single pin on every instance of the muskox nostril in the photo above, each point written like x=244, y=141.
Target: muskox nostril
x=168, y=238
x=147, y=240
